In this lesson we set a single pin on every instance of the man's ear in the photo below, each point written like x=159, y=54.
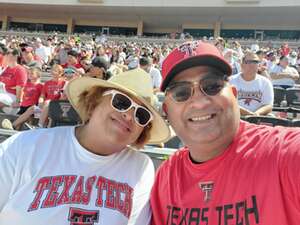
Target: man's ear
x=234, y=90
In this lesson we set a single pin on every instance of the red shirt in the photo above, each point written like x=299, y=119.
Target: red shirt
x=77, y=65
x=31, y=95
x=256, y=180
x=12, y=77
x=52, y=89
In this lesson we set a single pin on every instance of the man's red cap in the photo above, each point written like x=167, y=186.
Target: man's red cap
x=190, y=54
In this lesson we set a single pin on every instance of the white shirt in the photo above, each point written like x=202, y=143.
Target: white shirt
x=284, y=81
x=43, y=53
x=155, y=76
x=253, y=94
x=47, y=177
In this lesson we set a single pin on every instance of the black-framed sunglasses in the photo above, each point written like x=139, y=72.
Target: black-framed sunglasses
x=251, y=61
x=122, y=103
x=182, y=91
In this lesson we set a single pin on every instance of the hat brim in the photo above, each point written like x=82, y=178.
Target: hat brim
x=159, y=132
x=203, y=60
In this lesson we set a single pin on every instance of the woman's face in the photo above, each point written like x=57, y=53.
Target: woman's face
x=117, y=128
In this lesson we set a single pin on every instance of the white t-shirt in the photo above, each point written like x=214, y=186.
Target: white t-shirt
x=284, y=81
x=253, y=94
x=43, y=53
x=155, y=76
x=47, y=177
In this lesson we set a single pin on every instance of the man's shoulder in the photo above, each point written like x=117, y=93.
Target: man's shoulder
x=174, y=160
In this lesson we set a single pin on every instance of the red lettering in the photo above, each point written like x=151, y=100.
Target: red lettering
x=101, y=184
x=39, y=189
x=110, y=197
x=119, y=203
x=64, y=197
x=78, y=191
x=52, y=195
x=88, y=186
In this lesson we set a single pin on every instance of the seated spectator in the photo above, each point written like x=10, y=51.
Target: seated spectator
x=29, y=59
x=255, y=92
x=284, y=75
x=51, y=91
x=262, y=66
x=12, y=80
x=146, y=65
x=72, y=60
x=98, y=68
x=3, y=51
x=30, y=100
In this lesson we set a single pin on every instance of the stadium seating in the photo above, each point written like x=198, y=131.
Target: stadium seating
x=269, y=121
x=61, y=113
x=279, y=95
x=293, y=97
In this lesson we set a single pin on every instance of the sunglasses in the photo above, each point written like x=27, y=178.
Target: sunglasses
x=122, y=103
x=182, y=91
x=251, y=61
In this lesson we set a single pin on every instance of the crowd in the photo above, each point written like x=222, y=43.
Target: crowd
x=23, y=61
x=228, y=172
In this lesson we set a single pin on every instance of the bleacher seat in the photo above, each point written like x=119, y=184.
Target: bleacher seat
x=279, y=95
x=296, y=123
x=61, y=113
x=293, y=97
x=174, y=142
x=269, y=121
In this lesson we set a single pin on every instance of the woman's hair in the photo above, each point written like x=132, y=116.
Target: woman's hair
x=36, y=70
x=88, y=101
x=59, y=68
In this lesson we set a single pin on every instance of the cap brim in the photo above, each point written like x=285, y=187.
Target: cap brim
x=203, y=60
x=159, y=132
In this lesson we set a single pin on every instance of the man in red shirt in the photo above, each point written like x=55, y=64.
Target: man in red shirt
x=13, y=81
x=230, y=172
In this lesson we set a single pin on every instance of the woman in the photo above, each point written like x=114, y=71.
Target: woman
x=88, y=174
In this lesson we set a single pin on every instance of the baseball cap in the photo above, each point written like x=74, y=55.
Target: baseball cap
x=190, y=54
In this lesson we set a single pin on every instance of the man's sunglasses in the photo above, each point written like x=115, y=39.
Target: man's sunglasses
x=122, y=103
x=182, y=91
x=251, y=61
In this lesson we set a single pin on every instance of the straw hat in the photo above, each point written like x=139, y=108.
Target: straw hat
x=136, y=83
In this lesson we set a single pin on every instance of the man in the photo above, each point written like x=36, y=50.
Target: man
x=41, y=51
x=91, y=173
x=29, y=58
x=284, y=75
x=14, y=79
x=98, y=68
x=255, y=92
x=146, y=64
x=230, y=172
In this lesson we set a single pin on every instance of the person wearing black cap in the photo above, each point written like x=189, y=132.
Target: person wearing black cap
x=224, y=173
x=98, y=69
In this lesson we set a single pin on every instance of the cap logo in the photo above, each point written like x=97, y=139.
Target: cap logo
x=189, y=48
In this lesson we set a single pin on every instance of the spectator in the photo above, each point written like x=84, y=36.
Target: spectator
x=283, y=75
x=254, y=92
x=87, y=173
x=51, y=91
x=98, y=68
x=13, y=80
x=224, y=174
x=30, y=100
x=146, y=64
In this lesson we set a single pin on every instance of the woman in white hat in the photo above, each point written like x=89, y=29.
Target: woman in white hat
x=88, y=174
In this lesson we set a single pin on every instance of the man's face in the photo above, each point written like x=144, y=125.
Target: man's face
x=250, y=65
x=202, y=119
